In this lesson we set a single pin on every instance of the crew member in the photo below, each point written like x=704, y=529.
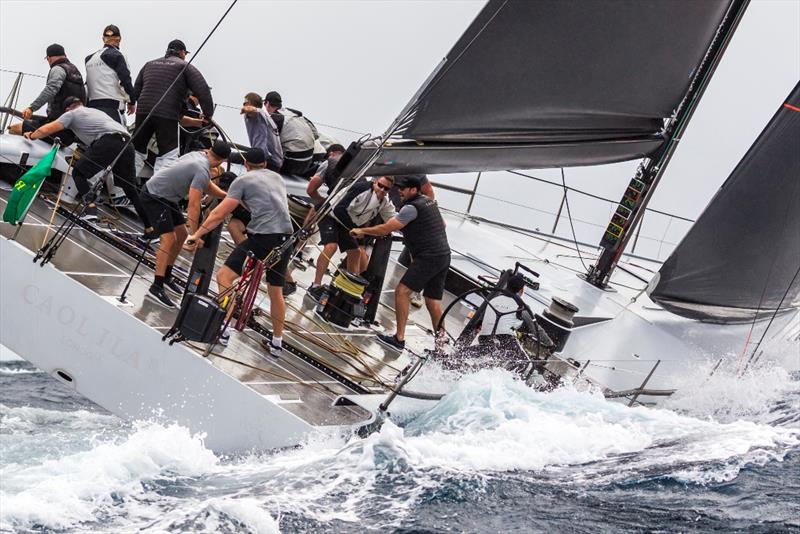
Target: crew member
x=151, y=84
x=326, y=174
x=262, y=132
x=424, y=233
x=189, y=175
x=105, y=139
x=108, y=78
x=297, y=135
x=264, y=193
x=63, y=80
x=364, y=201
x=405, y=256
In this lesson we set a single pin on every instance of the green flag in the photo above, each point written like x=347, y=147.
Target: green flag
x=26, y=189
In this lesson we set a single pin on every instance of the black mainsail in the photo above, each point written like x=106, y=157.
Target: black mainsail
x=553, y=84
x=742, y=256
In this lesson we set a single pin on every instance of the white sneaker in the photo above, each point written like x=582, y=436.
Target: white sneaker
x=417, y=300
x=121, y=202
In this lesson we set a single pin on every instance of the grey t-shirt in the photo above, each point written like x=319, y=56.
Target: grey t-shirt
x=172, y=183
x=89, y=124
x=406, y=214
x=264, y=194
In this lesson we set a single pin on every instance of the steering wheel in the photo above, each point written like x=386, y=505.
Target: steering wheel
x=470, y=330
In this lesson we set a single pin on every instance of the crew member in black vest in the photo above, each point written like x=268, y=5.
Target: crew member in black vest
x=424, y=233
x=63, y=80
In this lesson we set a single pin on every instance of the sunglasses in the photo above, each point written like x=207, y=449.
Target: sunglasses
x=384, y=187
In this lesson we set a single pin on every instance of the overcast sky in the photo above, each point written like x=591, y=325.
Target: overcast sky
x=354, y=65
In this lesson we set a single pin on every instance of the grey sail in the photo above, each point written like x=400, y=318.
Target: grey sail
x=554, y=83
x=742, y=256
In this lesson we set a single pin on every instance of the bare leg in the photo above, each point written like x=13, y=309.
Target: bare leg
x=236, y=229
x=435, y=310
x=277, y=309
x=354, y=261
x=225, y=278
x=15, y=129
x=363, y=261
x=166, y=245
x=322, y=262
x=180, y=237
x=402, y=298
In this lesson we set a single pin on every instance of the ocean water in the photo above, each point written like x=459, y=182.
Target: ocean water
x=493, y=456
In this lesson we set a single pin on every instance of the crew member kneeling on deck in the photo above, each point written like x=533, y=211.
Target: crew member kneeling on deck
x=189, y=175
x=424, y=232
x=264, y=193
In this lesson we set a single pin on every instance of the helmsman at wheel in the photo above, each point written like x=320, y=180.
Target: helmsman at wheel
x=264, y=193
x=424, y=233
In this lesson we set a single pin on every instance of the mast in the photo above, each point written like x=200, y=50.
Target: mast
x=640, y=190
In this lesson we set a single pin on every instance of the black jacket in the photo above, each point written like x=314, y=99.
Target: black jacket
x=154, y=79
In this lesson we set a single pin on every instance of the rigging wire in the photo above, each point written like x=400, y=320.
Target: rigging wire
x=569, y=216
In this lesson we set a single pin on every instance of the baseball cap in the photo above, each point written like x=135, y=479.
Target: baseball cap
x=335, y=147
x=255, y=156
x=274, y=98
x=177, y=45
x=55, y=50
x=408, y=180
x=71, y=100
x=111, y=31
x=221, y=149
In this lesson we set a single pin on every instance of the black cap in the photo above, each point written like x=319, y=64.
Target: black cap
x=255, y=156
x=515, y=283
x=55, y=50
x=221, y=149
x=72, y=100
x=111, y=31
x=335, y=147
x=177, y=45
x=408, y=180
x=274, y=98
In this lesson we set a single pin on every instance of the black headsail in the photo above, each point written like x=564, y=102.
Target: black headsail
x=535, y=84
x=742, y=256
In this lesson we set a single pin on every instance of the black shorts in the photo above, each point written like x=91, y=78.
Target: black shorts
x=260, y=245
x=164, y=215
x=330, y=231
x=241, y=213
x=427, y=274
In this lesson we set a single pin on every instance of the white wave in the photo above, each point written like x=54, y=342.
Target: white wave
x=18, y=371
x=729, y=395
x=490, y=423
x=64, y=492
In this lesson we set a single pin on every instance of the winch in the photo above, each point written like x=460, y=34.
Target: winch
x=341, y=303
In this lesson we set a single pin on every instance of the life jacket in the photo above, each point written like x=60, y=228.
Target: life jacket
x=102, y=81
x=72, y=86
x=426, y=235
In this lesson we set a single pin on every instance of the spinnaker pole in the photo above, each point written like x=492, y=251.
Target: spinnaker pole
x=631, y=208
